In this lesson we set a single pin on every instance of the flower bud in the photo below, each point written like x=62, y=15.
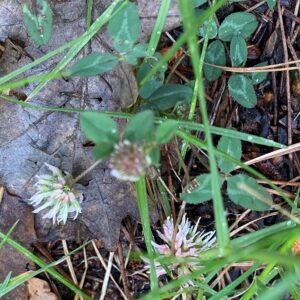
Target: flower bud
x=129, y=161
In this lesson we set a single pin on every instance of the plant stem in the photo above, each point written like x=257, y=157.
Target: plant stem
x=158, y=27
x=188, y=18
x=141, y=191
x=92, y=167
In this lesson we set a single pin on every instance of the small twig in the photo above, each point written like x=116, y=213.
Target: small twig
x=123, y=272
x=296, y=11
x=179, y=217
x=262, y=198
x=107, y=275
x=279, y=182
x=287, y=83
x=234, y=232
x=105, y=267
x=69, y=262
x=274, y=87
x=268, y=68
x=92, y=167
x=276, y=153
x=1, y=193
x=84, y=273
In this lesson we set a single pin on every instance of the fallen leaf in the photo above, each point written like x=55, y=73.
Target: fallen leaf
x=39, y=289
x=29, y=138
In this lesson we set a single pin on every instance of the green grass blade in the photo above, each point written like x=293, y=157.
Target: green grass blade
x=230, y=287
x=20, y=279
x=183, y=124
x=158, y=26
x=85, y=38
x=29, y=79
x=42, y=264
x=182, y=39
x=165, y=200
x=282, y=287
x=8, y=234
x=188, y=18
x=196, y=86
x=89, y=14
x=142, y=200
x=38, y=61
x=231, y=133
x=5, y=282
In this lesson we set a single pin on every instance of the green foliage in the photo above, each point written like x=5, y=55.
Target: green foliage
x=238, y=51
x=258, y=77
x=197, y=3
x=240, y=190
x=138, y=51
x=5, y=282
x=242, y=91
x=271, y=4
x=201, y=193
x=169, y=95
x=232, y=147
x=139, y=127
x=38, y=21
x=165, y=131
x=240, y=24
x=155, y=81
x=213, y=31
x=124, y=27
x=155, y=156
x=93, y=64
x=100, y=129
x=215, y=54
x=202, y=30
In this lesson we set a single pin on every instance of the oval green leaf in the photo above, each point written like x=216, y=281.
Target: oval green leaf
x=245, y=191
x=213, y=30
x=99, y=128
x=39, y=24
x=215, y=54
x=258, y=77
x=93, y=64
x=232, y=147
x=124, y=27
x=169, y=95
x=242, y=91
x=271, y=4
x=203, y=191
x=139, y=127
x=197, y=3
x=238, y=51
x=241, y=24
x=165, y=131
x=154, y=81
x=140, y=50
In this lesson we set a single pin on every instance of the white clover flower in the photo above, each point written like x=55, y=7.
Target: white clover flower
x=129, y=161
x=55, y=194
x=188, y=243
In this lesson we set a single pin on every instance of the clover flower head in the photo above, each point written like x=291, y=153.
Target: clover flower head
x=56, y=195
x=129, y=161
x=188, y=243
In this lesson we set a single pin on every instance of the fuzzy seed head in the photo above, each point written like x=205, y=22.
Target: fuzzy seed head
x=129, y=161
